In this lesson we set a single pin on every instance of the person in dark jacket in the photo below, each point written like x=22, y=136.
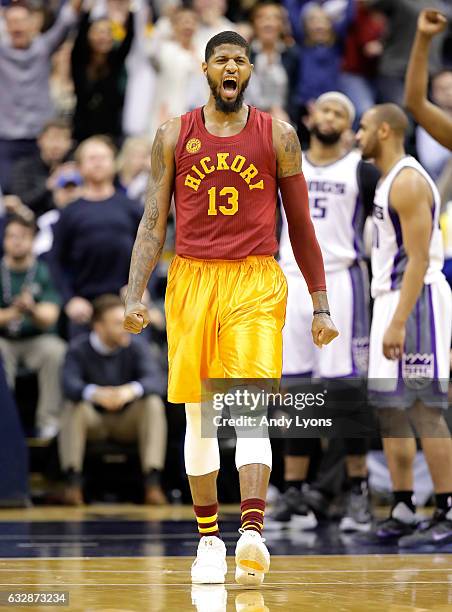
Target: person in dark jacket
x=94, y=235
x=112, y=386
x=32, y=179
x=98, y=68
x=322, y=47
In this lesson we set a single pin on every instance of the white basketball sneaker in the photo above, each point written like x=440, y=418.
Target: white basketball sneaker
x=252, y=558
x=209, y=567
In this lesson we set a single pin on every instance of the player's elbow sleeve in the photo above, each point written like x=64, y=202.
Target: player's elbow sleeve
x=306, y=249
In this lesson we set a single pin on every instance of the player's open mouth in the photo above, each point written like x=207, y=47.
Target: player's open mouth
x=229, y=87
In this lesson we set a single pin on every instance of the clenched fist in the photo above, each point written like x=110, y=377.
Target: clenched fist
x=323, y=330
x=430, y=23
x=136, y=317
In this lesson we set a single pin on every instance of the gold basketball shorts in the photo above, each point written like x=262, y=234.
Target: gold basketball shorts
x=224, y=320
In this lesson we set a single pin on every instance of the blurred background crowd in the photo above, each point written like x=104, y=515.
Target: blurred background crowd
x=84, y=86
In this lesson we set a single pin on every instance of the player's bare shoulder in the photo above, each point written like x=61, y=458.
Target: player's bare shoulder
x=168, y=133
x=287, y=148
x=409, y=188
x=162, y=155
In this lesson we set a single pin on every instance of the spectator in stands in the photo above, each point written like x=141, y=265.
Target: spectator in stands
x=335, y=9
x=97, y=70
x=113, y=390
x=12, y=205
x=140, y=88
x=433, y=155
x=363, y=48
x=273, y=87
x=178, y=61
x=133, y=167
x=94, y=236
x=67, y=182
x=32, y=179
x=25, y=63
x=401, y=28
x=29, y=310
x=321, y=52
x=212, y=21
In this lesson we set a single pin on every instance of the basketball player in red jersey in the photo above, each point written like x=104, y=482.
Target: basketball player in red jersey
x=432, y=118
x=226, y=296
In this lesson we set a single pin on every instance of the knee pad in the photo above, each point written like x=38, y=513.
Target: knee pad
x=253, y=450
x=202, y=455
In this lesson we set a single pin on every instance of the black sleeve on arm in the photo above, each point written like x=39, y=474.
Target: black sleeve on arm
x=119, y=54
x=80, y=52
x=368, y=176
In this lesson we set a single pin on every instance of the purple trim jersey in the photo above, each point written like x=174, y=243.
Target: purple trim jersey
x=388, y=253
x=336, y=211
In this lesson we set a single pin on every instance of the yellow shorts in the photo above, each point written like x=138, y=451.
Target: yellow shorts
x=224, y=320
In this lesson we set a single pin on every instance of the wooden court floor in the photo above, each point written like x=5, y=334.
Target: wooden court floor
x=358, y=583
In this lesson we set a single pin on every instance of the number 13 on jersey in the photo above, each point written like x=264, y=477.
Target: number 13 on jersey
x=232, y=201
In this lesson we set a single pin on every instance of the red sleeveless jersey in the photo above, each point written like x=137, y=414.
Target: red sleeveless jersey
x=225, y=190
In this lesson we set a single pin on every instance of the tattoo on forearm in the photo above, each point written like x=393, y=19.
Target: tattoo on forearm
x=148, y=244
x=289, y=161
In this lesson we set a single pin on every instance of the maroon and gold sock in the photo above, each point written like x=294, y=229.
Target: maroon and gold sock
x=206, y=517
x=253, y=514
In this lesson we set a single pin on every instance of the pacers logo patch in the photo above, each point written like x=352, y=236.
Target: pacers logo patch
x=193, y=145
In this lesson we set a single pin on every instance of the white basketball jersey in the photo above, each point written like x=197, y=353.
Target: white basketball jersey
x=336, y=211
x=388, y=253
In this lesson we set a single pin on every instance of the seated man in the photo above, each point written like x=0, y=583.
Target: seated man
x=29, y=310
x=33, y=177
x=112, y=385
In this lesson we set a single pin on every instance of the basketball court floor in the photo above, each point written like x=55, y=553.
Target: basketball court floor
x=131, y=558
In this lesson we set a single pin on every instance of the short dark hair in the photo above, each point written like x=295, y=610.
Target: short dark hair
x=103, y=303
x=57, y=123
x=28, y=223
x=226, y=38
x=393, y=115
x=261, y=5
x=20, y=4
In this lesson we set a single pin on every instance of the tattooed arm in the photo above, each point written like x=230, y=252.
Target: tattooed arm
x=306, y=250
x=152, y=229
x=287, y=148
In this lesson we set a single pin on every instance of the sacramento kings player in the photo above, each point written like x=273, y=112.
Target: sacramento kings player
x=341, y=188
x=411, y=327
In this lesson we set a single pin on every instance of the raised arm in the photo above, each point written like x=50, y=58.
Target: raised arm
x=152, y=230
x=342, y=26
x=294, y=194
x=411, y=198
x=431, y=117
x=123, y=50
x=67, y=18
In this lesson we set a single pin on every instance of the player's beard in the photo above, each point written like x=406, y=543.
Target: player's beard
x=328, y=139
x=372, y=150
x=226, y=106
